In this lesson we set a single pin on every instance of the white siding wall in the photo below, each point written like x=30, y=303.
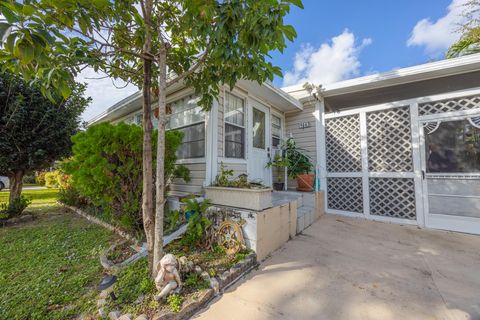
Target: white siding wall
x=305, y=138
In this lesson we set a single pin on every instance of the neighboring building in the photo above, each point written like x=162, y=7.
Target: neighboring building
x=402, y=146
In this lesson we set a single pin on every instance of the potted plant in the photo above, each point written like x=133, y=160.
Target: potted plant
x=278, y=162
x=300, y=166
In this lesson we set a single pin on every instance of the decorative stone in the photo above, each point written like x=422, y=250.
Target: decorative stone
x=104, y=294
x=114, y=315
x=198, y=269
x=101, y=302
x=141, y=317
x=139, y=299
x=127, y=316
x=215, y=285
x=101, y=312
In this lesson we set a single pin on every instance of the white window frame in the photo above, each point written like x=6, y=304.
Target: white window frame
x=275, y=113
x=196, y=159
x=244, y=98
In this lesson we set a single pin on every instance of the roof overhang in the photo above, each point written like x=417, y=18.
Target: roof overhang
x=265, y=92
x=452, y=69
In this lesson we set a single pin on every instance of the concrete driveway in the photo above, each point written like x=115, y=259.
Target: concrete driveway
x=343, y=268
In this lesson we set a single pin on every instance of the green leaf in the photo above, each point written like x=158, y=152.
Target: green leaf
x=297, y=3
x=28, y=10
x=4, y=30
x=27, y=52
x=10, y=43
x=9, y=15
x=65, y=89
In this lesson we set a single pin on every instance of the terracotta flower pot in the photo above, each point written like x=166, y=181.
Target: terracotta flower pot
x=305, y=182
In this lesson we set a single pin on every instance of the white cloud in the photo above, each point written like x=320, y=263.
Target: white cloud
x=333, y=61
x=438, y=36
x=102, y=91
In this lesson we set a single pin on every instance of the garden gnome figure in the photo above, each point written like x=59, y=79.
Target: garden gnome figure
x=168, y=278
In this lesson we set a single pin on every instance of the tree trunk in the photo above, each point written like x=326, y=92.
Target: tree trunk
x=16, y=184
x=160, y=178
x=147, y=196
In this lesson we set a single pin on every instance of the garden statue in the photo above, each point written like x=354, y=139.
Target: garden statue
x=168, y=278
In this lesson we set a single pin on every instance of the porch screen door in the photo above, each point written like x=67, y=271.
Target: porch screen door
x=259, y=144
x=451, y=170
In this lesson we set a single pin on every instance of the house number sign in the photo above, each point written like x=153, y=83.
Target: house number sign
x=304, y=125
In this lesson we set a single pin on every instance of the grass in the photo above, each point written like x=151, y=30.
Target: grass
x=44, y=201
x=49, y=267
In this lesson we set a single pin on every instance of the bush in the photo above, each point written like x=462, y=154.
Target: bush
x=70, y=196
x=29, y=179
x=40, y=178
x=14, y=208
x=106, y=168
x=52, y=179
x=198, y=224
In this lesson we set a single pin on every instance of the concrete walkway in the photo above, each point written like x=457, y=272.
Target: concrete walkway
x=343, y=268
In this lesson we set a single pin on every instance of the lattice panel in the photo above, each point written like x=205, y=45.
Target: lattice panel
x=345, y=194
x=392, y=197
x=458, y=104
x=389, y=140
x=343, y=144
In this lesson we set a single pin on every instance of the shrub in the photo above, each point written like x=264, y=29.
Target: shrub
x=106, y=168
x=14, y=208
x=175, y=302
x=29, y=179
x=52, y=179
x=40, y=178
x=198, y=224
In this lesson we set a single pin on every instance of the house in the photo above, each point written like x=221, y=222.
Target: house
x=399, y=147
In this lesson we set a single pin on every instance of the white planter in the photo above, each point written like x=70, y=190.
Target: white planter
x=253, y=199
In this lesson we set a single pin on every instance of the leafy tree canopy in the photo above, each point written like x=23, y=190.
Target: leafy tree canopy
x=34, y=131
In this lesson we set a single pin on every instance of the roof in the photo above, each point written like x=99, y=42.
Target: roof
x=266, y=92
x=427, y=71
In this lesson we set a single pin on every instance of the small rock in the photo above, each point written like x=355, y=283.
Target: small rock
x=114, y=315
x=104, y=294
x=215, y=285
x=26, y=217
x=198, y=269
x=205, y=276
x=101, y=312
x=127, y=316
x=141, y=317
x=140, y=299
x=101, y=302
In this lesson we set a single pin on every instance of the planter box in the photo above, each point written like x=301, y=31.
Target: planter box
x=253, y=199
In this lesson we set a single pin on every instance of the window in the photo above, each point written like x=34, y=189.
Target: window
x=276, y=132
x=258, y=129
x=186, y=116
x=453, y=147
x=234, y=127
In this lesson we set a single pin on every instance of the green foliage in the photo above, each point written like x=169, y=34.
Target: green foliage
x=49, y=268
x=197, y=223
x=195, y=281
x=52, y=179
x=175, y=302
x=133, y=281
x=70, y=196
x=106, y=168
x=237, y=37
x=14, y=208
x=469, y=43
x=298, y=161
x=34, y=132
x=173, y=219
x=40, y=178
x=279, y=162
x=30, y=179
x=224, y=179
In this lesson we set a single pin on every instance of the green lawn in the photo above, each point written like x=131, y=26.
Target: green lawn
x=49, y=267
x=43, y=200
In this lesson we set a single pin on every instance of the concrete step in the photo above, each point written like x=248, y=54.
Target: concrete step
x=305, y=217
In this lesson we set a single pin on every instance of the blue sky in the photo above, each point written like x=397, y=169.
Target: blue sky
x=341, y=39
